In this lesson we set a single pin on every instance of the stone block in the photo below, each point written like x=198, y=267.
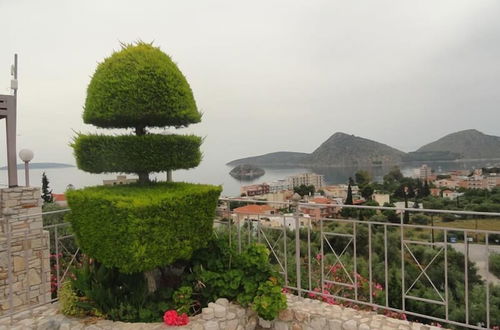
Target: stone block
x=222, y=301
x=265, y=323
x=318, y=323
x=279, y=325
x=301, y=316
x=207, y=313
x=232, y=324
x=220, y=311
x=334, y=324
x=350, y=325
x=211, y=325
x=285, y=315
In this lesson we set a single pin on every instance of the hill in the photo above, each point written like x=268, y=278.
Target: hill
x=468, y=144
x=280, y=158
x=343, y=150
x=36, y=166
x=340, y=150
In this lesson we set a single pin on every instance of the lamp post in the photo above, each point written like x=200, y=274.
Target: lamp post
x=26, y=156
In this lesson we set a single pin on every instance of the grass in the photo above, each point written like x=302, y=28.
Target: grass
x=482, y=224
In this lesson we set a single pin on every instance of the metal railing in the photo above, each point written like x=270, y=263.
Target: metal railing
x=379, y=265
x=393, y=267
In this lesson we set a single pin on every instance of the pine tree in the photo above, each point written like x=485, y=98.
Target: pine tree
x=46, y=194
x=406, y=216
x=426, y=190
x=348, y=200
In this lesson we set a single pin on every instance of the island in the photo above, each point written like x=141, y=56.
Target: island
x=246, y=172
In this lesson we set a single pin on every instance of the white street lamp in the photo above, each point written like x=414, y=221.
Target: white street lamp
x=26, y=156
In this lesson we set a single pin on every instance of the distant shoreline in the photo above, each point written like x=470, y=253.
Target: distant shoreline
x=38, y=166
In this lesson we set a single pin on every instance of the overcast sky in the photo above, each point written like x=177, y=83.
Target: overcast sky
x=268, y=75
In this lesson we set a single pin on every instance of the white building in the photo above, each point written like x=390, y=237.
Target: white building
x=424, y=172
x=308, y=179
x=278, y=186
x=381, y=199
x=120, y=179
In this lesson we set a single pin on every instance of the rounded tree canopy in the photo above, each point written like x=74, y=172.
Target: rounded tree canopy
x=139, y=86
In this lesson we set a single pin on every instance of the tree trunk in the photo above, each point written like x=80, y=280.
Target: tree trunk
x=169, y=175
x=143, y=177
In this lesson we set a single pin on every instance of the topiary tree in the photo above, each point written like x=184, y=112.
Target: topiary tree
x=138, y=88
x=140, y=227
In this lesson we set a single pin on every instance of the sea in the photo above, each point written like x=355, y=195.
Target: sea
x=217, y=173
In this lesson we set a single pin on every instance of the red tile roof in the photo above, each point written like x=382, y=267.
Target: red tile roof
x=253, y=209
x=321, y=200
x=59, y=197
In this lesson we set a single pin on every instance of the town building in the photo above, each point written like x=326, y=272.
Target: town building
x=254, y=190
x=450, y=194
x=436, y=192
x=339, y=191
x=60, y=200
x=381, y=199
x=286, y=220
x=252, y=212
x=446, y=183
x=425, y=172
x=317, y=209
x=308, y=179
x=120, y=179
x=279, y=185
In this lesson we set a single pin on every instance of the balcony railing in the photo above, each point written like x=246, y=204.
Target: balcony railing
x=429, y=272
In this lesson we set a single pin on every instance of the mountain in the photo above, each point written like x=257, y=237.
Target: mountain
x=340, y=150
x=344, y=150
x=280, y=158
x=468, y=144
x=36, y=166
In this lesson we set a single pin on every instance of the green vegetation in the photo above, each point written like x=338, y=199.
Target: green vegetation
x=304, y=190
x=138, y=87
x=246, y=277
x=68, y=301
x=333, y=271
x=137, y=228
x=136, y=154
x=46, y=193
x=495, y=264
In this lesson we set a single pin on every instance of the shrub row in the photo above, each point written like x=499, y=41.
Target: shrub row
x=134, y=154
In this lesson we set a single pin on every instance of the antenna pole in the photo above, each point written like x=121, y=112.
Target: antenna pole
x=11, y=131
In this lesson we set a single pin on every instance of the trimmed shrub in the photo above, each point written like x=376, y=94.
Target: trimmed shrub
x=68, y=301
x=139, y=86
x=139, y=227
x=495, y=264
x=132, y=154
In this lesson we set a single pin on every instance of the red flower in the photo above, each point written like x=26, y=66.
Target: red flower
x=172, y=318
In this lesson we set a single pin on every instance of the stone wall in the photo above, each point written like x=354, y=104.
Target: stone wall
x=301, y=314
x=24, y=250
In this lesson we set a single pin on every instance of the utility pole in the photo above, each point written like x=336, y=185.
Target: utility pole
x=8, y=109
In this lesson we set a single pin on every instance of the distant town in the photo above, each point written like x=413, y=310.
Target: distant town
x=475, y=190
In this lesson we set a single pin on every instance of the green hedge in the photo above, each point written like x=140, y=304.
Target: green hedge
x=139, y=86
x=133, y=154
x=139, y=227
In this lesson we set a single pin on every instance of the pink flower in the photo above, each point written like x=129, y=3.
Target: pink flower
x=378, y=286
x=319, y=256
